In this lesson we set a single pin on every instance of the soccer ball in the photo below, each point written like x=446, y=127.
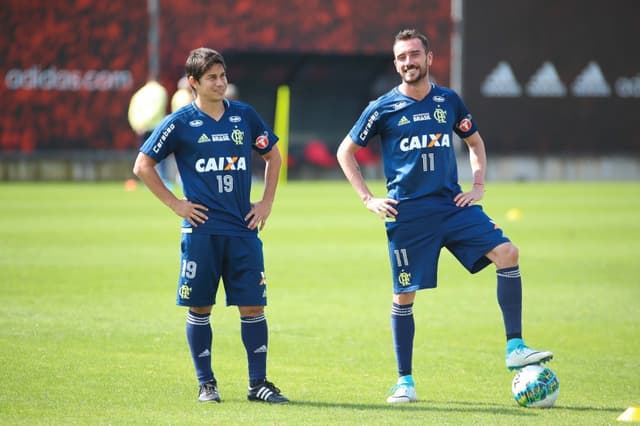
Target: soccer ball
x=535, y=386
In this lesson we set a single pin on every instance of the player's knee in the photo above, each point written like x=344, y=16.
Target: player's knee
x=507, y=255
x=404, y=298
x=250, y=311
x=202, y=310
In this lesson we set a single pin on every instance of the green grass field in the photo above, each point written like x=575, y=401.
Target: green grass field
x=90, y=335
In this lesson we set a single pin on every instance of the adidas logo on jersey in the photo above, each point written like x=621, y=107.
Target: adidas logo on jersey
x=204, y=138
x=404, y=120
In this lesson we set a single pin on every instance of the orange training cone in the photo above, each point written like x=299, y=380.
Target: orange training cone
x=130, y=185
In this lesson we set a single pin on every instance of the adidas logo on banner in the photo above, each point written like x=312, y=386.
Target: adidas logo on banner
x=591, y=83
x=501, y=83
x=546, y=83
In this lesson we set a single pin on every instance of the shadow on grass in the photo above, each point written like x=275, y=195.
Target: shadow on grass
x=454, y=406
x=423, y=405
x=593, y=409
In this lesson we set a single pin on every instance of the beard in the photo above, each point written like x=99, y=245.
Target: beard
x=422, y=73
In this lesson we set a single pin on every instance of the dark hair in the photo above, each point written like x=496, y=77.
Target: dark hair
x=200, y=60
x=410, y=33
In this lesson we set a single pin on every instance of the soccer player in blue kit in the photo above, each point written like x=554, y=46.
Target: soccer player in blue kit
x=212, y=140
x=425, y=208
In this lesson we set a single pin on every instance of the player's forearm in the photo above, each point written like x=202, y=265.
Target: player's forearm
x=152, y=180
x=478, y=161
x=477, y=158
x=351, y=170
x=355, y=178
x=273, y=163
x=144, y=168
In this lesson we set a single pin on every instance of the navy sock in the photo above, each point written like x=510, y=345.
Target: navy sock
x=510, y=300
x=255, y=336
x=403, y=330
x=200, y=337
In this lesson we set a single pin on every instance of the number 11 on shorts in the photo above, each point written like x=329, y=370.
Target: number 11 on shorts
x=401, y=257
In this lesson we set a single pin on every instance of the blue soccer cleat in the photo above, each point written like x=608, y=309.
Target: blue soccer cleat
x=404, y=391
x=520, y=355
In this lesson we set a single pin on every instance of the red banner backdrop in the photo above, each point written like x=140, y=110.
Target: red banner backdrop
x=311, y=26
x=69, y=67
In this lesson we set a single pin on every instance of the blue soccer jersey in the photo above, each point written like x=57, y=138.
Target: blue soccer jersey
x=214, y=160
x=417, y=140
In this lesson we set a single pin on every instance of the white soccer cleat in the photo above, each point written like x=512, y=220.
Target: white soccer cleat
x=523, y=356
x=402, y=393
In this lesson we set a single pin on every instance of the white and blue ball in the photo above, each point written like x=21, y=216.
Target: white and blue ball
x=535, y=386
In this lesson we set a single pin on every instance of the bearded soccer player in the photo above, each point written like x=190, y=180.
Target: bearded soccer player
x=425, y=208
x=212, y=139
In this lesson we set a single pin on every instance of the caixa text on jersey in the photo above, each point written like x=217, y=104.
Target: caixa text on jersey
x=425, y=141
x=215, y=164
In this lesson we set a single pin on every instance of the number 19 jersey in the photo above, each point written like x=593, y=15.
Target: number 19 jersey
x=214, y=160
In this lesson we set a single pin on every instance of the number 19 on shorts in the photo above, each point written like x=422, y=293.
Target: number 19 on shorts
x=188, y=269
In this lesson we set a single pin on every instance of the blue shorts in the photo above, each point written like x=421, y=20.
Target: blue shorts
x=207, y=258
x=423, y=227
